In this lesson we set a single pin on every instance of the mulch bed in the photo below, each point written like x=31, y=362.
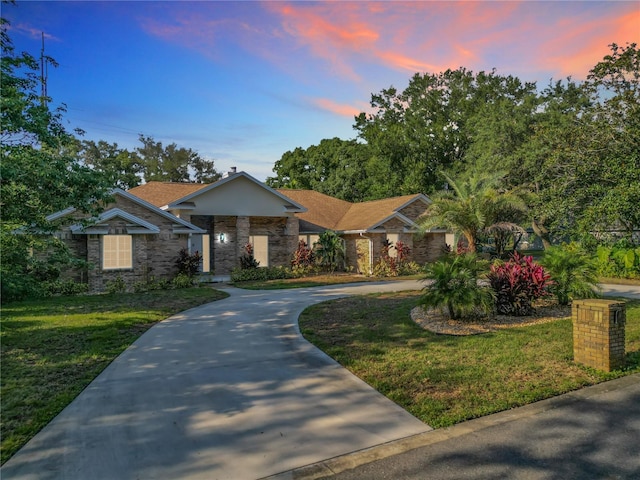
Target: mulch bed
x=437, y=322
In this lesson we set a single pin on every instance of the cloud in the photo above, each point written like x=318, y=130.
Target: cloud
x=336, y=108
x=582, y=43
x=31, y=32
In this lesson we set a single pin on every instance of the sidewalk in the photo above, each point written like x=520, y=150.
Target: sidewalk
x=593, y=433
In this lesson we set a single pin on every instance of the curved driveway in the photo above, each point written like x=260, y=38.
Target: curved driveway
x=228, y=390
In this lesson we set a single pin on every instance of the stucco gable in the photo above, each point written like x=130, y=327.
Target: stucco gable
x=239, y=194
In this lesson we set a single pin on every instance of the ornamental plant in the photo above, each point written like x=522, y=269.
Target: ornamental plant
x=248, y=261
x=303, y=259
x=454, y=288
x=517, y=283
x=573, y=272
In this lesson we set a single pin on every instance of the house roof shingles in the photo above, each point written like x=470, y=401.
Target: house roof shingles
x=163, y=193
x=334, y=214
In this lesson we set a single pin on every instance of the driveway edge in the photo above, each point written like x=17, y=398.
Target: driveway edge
x=335, y=465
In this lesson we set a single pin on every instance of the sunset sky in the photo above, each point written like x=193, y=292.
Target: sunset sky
x=242, y=82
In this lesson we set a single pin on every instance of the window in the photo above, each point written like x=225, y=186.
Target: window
x=117, y=252
x=393, y=239
x=260, y=249
x=310, y=240
x=206, y=254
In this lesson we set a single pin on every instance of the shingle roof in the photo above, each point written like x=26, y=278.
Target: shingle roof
x=322, y=210
x=365, y=215
x=339, y=215
x=163, y=193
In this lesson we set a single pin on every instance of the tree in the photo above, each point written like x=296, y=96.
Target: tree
x=334, y=167
x=432, y=125
x=474, y=205
x=573, y=272
x=120, y=165
x=173, y=163
x=583, y=158
x=39, y=171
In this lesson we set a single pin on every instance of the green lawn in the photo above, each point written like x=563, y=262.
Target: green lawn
x=53, y=348
x=443, y=379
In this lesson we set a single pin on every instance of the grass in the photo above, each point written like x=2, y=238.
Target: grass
x=443, y=380
x=53, y=348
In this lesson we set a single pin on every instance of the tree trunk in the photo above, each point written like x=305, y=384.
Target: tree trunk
x=540, y=230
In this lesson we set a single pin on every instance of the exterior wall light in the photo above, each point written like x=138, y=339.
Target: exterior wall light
x=221, y=237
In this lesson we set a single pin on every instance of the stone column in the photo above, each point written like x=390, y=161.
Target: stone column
x=243, y=225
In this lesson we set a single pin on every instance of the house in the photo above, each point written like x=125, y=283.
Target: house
x=131, y=239
x=366, y=226
x=139, y=235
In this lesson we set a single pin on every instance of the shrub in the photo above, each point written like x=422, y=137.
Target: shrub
x=64, y=287
x=410, y=268
x=618, y=261
x=260, y=274
x=182, y=281
x=117, y=285
x=188, y=263
x=517, y=283
x=573, y=272
x=387, y=266
x=248, y=261
x=303, y=257
x=454, y=286
x=330, y=251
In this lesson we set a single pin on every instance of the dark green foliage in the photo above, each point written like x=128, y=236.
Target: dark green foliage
x=247, y=260
x=517, y=283
x=188, y=263
x=334, y=167
x=39, y=175
x=453, y=286
x=172, y=163
x=64, y=288
x=573, y=273
x=330, y=251
x=261, y=274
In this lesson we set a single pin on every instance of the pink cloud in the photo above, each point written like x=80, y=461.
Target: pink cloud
x=581, y=45
x=336, y=108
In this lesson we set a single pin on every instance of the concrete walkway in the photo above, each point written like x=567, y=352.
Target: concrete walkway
x=228, y=390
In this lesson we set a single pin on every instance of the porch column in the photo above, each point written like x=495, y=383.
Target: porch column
x=242, y=235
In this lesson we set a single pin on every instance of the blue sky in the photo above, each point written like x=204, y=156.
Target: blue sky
x=242, y=82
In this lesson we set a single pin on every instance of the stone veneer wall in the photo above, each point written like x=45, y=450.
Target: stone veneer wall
x=428, y=247
x=282, y=232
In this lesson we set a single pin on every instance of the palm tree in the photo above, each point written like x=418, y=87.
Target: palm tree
x=473, y=206
x=454, y=285
x=572, y=271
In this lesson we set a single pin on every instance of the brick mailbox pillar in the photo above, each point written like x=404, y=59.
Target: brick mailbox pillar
x=598, y=333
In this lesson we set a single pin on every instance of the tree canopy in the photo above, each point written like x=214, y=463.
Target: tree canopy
x=574, y=146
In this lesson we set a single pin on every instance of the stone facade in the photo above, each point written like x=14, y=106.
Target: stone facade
x=225, y=255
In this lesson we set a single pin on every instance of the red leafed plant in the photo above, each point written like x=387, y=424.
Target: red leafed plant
x=517, y=283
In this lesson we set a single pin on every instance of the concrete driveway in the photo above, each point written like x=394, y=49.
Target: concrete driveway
x=228, y=390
